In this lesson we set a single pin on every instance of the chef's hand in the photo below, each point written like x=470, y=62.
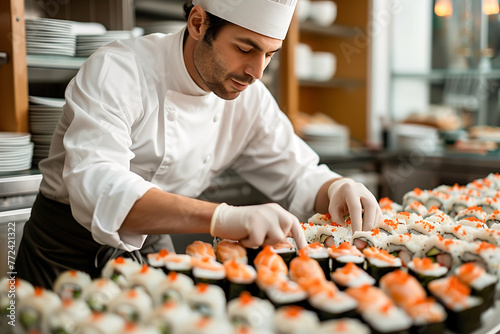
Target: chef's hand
x=350, y=197
x=256, y=225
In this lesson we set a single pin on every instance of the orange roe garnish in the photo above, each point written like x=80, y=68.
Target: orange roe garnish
x=341, y=326
x=144, y=268
x=38, y=291
x=201, y=287
x=203, y=322
x=246, y=298
x=293, y=311
x=484, y=246
x=417, y=191
x=379, y=254
x=130, y=326
x=375, y=232
x=163, y=252
x=120, y=260
x=132, y=293
x=73, y=273
x=169, y=304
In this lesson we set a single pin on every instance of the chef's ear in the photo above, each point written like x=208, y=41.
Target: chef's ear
x=197, y=23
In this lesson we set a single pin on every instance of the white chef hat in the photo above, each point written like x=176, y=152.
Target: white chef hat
x=267, y=17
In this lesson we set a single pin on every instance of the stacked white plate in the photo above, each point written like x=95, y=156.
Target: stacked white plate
x=44, y=114
x=327, y=139
x=166, y=27
x=88, y=44
x=16, y=151
x=50, y=37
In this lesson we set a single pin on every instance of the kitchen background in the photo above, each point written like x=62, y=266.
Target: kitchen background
x=394, y=93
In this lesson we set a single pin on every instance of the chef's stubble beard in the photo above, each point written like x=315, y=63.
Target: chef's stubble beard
x=211, y=70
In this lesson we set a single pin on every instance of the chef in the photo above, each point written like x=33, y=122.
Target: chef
x=150, y=121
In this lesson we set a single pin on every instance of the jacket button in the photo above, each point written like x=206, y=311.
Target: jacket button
x=172, y=116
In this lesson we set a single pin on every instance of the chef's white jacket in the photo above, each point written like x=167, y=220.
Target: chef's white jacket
x=134, y=119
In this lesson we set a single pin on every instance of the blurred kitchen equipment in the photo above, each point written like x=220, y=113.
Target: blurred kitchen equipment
x=303, y=10
x=323, y=13
x=303, y=61
x=324, y=65
x=414, y=137
x=326, y=139
x=165, y=27
x=16, y=151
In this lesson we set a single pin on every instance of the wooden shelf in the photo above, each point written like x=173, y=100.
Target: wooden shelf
x=334, y=30
x=332, y=83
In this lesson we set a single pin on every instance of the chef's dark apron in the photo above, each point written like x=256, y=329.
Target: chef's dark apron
x=53, y=242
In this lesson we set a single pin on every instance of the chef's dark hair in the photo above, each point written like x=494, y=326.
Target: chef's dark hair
x=215, y=23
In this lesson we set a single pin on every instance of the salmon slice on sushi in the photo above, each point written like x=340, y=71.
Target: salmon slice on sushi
x=227, y=250
x=269, y=258
x=344, y=254
x=481, y=283
x=200, y=249
x=426, y=270
x=351, y=276
x=379, y=262
x=240, y=277
x=319, y=253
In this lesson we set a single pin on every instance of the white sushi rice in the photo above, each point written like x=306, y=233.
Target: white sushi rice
x=304, y=322
x=344, y=325
x=391, y=320
x=339, y=303
x=258, y=313
x=435, y=272
x=182, y=262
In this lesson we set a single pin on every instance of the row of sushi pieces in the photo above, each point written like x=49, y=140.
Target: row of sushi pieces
x=82, y=305
x=482, y=192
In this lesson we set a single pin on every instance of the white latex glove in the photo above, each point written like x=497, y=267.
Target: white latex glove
x=256, y=225
x=350, y=197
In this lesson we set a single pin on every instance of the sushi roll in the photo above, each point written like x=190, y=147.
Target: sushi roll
x=387, y=319
x=463, y=310
x=437, y=199
x=333, y=305
x=368, y=297
x=329, y=235
x=8, y=286
x=492, y=219
x=424, y=227
x=446, y=252
x=484, y=253
x=179, y=263
x=351, y=275
x=416, y=207
x=417, y=195
x=251, y=311
x=208, y=325
x=207, y=270
x=494, y=178
x=428, y=317
x=310, y=231
x=379, y=262
x=343, y=326
x=34, y=309
x=387, y=202
x=433, y=210
x=157, y=260
x=171, y=317
x=102, y=323
x=240, y=277
x=425, y=270
x=148, y=279
x=133, y=328
x=458, y=232
x=473, y=223
x=207, y=300
x=488, y=204
x=99, y=293
x=70, y=284
x=440, y=218
x=304, y=266
x=67, y=318
x=479, y=281
x=119, y=270
x=364, y=239
x=317, y=285
x=320, y=219
x=286, y=250
x=488, y=235
x=392, y=226
x=295, y=320
x=388, y=211
x=406, y=246
x=175, y=287
x=227, y=250
x=319, y=253
x=200, y=249
x=471, y=212
x=269, y=258
x=403, y=288
x=459, y=203
x=133, y=305
x=287, y=292
x=267, y=278
x=344, y=254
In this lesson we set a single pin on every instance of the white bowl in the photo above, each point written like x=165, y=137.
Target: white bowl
x=323, y=13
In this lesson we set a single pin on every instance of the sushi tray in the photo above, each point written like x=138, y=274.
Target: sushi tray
x=431, y=265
